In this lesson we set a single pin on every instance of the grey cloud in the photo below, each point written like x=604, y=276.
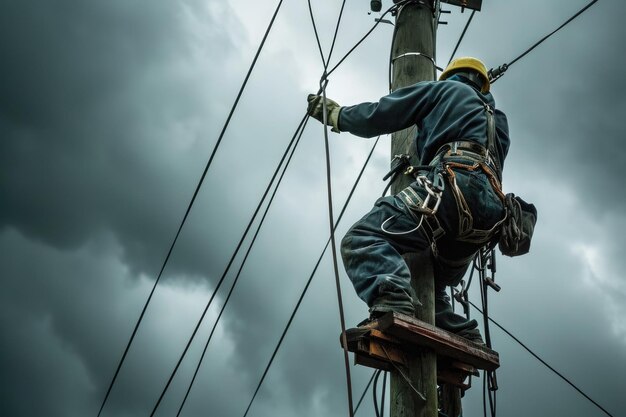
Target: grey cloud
x=107, y=114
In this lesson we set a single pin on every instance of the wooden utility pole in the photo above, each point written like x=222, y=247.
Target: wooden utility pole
x=413, y=54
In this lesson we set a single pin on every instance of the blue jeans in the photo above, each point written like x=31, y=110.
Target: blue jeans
x=464, y=222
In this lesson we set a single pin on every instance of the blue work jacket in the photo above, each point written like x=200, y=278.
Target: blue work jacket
x=443, y=111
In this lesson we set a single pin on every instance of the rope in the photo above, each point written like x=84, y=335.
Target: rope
x=544, y=362
x=193, y=198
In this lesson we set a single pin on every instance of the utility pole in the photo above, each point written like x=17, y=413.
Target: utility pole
x=409, y=347
x=413, y=54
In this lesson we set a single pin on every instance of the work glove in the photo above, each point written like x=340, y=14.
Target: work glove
x=316, y=110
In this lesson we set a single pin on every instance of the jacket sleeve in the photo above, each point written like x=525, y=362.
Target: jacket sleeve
x=396, y=111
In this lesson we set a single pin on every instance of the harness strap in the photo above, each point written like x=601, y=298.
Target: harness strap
x=491, y=140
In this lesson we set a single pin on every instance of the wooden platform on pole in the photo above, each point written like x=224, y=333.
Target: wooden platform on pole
x=391, y=341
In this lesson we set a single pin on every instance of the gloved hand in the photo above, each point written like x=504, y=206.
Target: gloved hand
x=316, y=110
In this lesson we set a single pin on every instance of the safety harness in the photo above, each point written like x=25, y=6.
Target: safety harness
x=462, y=154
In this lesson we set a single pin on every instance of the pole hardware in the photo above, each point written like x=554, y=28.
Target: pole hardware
x=495, y=73
x=469, y=4
x=492, y=284
x=384, y=21
x=393, y=60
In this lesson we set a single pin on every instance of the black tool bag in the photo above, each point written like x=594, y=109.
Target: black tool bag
x=517, y=230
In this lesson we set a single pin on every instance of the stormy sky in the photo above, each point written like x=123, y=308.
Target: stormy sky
x=108, y=113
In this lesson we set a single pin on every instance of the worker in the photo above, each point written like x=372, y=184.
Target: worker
x=455, y=205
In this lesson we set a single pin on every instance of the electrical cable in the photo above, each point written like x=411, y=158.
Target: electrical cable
x=367, y=387
x=462, y=35
x=480, y=263
x=581, y=11
x=243, y=263
x=332, y=45
x=317, y=38
x=221, y=280
x=369, y=32
x=308, y=283
x=333, y=246
x=495, y=74
x=374, y=389
x=193, y=198
x=544, y=362
x=382, y=401
x=323, y=84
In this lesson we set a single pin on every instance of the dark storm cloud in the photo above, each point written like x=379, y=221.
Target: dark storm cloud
x=107, y=114
x=89, y=98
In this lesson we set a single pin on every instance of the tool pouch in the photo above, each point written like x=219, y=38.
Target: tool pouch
x=517, y=230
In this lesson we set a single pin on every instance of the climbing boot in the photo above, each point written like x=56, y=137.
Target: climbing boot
x=473, y=335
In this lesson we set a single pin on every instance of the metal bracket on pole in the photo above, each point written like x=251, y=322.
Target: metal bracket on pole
x=393, y=60
x=469, y=4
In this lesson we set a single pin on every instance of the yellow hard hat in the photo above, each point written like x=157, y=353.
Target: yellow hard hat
x=467, y=63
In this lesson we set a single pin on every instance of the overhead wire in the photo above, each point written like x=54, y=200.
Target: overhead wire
x=188, y=210
x=367, y=387
x=496, y=73
x=308, y=282
x=469, y=20
x=377, y=410
x=581, y=11
x=230, y=263
x=243, y=263
x=560, y=375
x=234, y=283
x=342, y=321
x=333, y=245
x=217, y=145
x=315, y=268
x=367, y=34
x=489, y=390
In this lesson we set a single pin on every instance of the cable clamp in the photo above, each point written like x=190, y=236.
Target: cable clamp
x=431, y=59
x=495, y=73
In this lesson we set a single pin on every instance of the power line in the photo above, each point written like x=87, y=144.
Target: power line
x=462, y=36
x=333, y=245
x=367, y=34
x=230, y=262
x=342, y=321
x=221, y=280
x=543, y=362
x=496, y=73
x=243, y=263
x=193, y=198
x=308, y=283
x=367, y=387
